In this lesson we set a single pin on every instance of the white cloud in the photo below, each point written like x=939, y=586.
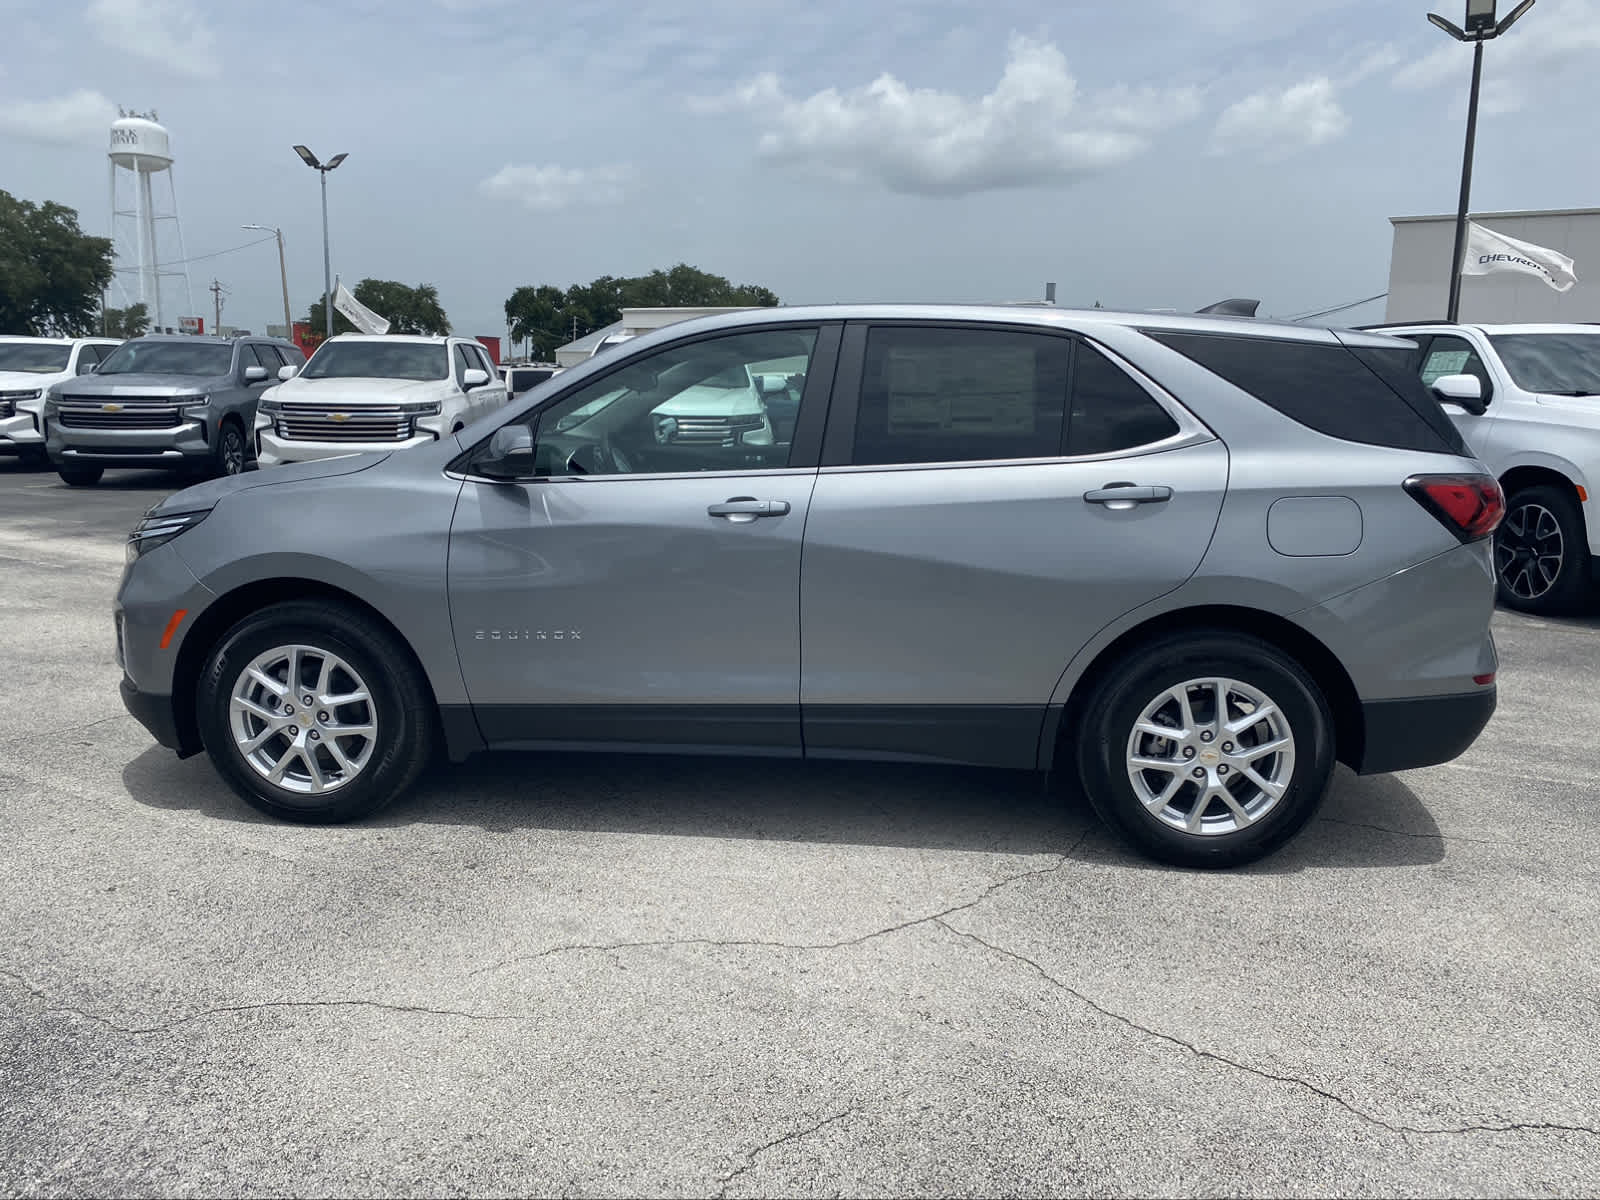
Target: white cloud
x=168, y=33
x=77, y=118
x=1034, y=128
x=1281, y=120
x=556, y=187
x=1551, y=40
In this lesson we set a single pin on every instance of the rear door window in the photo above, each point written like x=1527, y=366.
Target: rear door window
x=1110, y=410
x=931, y=395
x=1360, y=394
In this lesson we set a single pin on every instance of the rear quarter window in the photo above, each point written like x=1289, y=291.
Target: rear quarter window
x=1359, y=394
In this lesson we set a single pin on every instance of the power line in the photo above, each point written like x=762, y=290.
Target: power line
x=218, y=254
x=1325, y=312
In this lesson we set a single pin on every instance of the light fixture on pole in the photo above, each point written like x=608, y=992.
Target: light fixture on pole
x=283, y=273
x=1480, y=27
x=310, y=160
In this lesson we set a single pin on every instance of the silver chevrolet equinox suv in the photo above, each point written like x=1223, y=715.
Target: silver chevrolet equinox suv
x=182, y=403
x=1187, y=562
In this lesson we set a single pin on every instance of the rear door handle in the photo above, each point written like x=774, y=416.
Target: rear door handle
x=742, y=509
x=1126, y=495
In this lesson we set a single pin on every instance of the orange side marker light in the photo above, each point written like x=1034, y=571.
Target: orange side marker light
x=172, y=627
x=1583, y=493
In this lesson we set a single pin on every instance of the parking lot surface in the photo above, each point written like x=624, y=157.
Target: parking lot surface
x=613, y=976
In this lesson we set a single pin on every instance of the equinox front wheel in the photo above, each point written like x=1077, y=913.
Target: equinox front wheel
x=315, y=712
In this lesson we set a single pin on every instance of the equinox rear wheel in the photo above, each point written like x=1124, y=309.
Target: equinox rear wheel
x=315, y=713
x=1208, y=749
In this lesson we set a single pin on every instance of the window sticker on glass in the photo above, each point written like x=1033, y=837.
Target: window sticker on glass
x=1444, y=362
x=965, y=389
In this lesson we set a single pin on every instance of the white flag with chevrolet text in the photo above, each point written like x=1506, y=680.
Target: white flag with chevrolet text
x=362, y=317
x=1489, y=252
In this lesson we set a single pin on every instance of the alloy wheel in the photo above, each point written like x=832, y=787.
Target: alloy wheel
x=232, y=451
x=1529, y=550
x=303, y=719
x=1211, y=756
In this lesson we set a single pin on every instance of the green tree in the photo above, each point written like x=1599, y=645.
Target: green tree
x=128, y=322
x=407, y=309
x=549, y=317
x=52, y=274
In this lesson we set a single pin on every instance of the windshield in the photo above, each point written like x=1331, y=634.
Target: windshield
x=1559, y=363
x=169, y=358
x=36, y=358
x=378, y=360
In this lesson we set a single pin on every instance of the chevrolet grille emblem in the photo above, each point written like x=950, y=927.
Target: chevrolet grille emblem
x=111, y=408
x=340, y=417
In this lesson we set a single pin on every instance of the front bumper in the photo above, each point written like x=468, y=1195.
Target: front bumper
x=1405, y=734
x=274, y=451
x=128, y=447
x=19, y=434
x=157, y=715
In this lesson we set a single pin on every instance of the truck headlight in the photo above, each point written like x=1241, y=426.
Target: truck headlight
x=16, y=397
x=269, y=408
x=193, y=403
x=423, y=408
x=158, y=531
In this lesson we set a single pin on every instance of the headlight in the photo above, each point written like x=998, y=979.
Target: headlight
x=158, y=531
x=271, y=408
x=426, y=408
x=15, y=396
x=193, y=402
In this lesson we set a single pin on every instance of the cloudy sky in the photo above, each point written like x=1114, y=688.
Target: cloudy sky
x=1143, y=153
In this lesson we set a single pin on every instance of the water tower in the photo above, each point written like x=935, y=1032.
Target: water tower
x=144, y=220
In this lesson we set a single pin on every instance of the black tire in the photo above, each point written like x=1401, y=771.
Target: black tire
x=230, y=455
x=79, y=476
x=406, y=718
x=1540, y=520
x=33, y=458
x=1120, y=698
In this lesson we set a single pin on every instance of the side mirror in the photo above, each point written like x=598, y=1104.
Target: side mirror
x=288, y=372
x=473, y=378
x=1464, y=391
x=88, y=368
x=510, y=453
x=254, y=374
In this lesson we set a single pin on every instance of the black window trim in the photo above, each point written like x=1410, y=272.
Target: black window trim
x=839, y=441
x=806, y=446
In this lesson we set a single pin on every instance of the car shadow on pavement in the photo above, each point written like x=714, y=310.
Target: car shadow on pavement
x=1372, y=822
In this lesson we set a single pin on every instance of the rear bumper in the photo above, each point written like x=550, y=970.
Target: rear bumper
x=1423, y=732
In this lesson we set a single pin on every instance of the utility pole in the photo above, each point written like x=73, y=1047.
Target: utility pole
x=216, y=294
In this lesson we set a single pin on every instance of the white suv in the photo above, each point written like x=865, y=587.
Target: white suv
x=28, y=368
x=362, y=392
x=1527, y=400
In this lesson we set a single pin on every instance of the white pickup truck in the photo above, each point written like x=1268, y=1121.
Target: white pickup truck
x=1527, y=400
x=364, y=392
x=28, y=368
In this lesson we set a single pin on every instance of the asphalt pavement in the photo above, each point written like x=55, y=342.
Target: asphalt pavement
x=567, y=975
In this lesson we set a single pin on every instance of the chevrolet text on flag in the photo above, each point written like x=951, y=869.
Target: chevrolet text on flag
x=362, y=317
x=1489, y=252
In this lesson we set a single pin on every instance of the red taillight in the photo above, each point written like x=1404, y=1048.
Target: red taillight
x=1470, y=506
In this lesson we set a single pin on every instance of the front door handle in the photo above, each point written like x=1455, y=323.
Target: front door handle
x=743, y=509
x=1126, y=495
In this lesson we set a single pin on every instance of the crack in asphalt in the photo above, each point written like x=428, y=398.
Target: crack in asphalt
x=750, y=1156
x=225, y=1009
x=1291, y=1080
x=1432, y=837
x=1062, y=859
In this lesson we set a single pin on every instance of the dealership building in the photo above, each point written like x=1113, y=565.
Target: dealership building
x=1419, y=269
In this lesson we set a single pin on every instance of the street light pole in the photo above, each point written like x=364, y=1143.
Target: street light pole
x=1456, y=261
x=1480, y=27
x=283, y=276
x=311, y=161
x=327, y=261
